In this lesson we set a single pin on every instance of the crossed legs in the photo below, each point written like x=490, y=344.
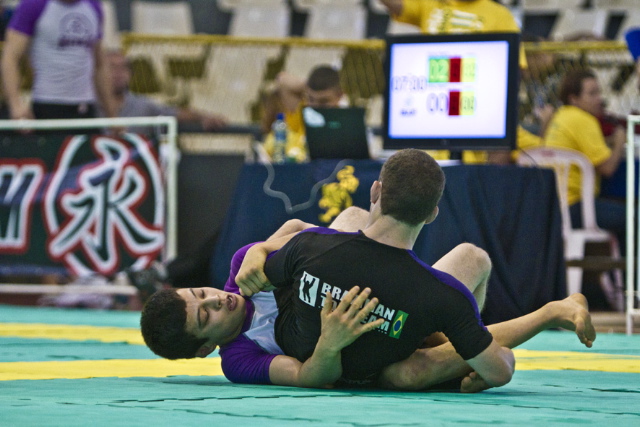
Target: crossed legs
x=438, y=362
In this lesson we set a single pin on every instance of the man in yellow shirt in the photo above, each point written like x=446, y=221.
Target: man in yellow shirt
x=463, y=16
x=575, y=126
x=322, y=89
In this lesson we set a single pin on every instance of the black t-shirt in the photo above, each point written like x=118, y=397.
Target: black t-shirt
x=414, y=299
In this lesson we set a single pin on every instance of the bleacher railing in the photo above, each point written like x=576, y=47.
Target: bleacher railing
x=231, y=75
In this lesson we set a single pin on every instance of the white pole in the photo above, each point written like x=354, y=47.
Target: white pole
x=172, y=189
x=631, y=286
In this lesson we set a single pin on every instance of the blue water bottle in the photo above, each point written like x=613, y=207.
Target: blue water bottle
x=279, y=128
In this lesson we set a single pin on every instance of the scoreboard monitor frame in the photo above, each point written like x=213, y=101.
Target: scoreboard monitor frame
x=451, y=91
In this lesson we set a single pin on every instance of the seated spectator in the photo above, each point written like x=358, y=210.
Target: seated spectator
x=128, y=104
x=290, y=95
x=575, y=125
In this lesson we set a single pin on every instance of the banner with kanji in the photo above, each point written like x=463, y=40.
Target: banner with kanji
x=79, y=204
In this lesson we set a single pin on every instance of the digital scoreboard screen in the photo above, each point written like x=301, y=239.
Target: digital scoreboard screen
x=451, y=91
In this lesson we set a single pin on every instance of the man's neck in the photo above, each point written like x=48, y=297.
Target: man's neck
x=389, y=231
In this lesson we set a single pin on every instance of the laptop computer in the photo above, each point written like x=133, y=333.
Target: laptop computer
x=336, y=133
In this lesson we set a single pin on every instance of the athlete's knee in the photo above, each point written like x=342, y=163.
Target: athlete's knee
x=351, y=219
x=475, y=257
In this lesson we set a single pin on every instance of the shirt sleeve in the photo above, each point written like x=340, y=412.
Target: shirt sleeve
x=279, y=265
x=460, y=320
x=26, y=15
x=243, y=361
x=236, y=262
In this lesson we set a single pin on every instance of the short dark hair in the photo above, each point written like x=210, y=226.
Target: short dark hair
x=412, y=184
x=572, y=84
x=324, y=77
x=163, y=321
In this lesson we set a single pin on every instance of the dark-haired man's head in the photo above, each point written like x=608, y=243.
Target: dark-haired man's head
x=580, y=88
x=191, y=322
x=412, y=184
x=323, y=89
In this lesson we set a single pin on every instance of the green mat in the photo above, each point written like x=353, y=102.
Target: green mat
x=536, y=397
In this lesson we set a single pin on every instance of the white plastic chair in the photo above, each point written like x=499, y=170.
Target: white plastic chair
x=305, y=5
x=337, y=21
x=230, y=5
x=631, y=20
x=260, y=20
x=152, y=17
x=618, y=5
x=573, y=21
x=575, y=240
x=549, y=5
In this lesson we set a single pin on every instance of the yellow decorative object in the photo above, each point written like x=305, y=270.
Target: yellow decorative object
x=336, y=196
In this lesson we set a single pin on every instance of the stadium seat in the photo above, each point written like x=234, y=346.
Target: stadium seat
x=544, y=6
x=337, y=21
x=631, y=20
x=111, y=31
x=305, y=5
x=251, y=19
x=579, y=21
x=560, y=160
x=239, y=71
x=230, y=5
x=152, y=17
x=301, y=60
x=619, y=5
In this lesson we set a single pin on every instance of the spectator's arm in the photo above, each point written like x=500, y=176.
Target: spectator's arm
x=208, y=121
x=102, y=82
x=616, y=141
x=251, y=278
x=393, y=6
x=291, y=90
x=15, y=47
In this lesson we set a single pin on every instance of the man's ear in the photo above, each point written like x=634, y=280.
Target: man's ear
x=206, y=349
x=433, y=215
x=376, y=189
x=572, y=99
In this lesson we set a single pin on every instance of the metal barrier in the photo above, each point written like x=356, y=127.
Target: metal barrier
x=633, y=275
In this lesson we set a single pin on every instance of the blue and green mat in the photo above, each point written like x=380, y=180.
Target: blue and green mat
x=86, y=367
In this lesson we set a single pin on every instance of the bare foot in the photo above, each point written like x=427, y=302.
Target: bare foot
x=573, y=314
x=473, y=383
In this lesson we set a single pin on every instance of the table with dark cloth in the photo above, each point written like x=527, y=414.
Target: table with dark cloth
x=511, y=212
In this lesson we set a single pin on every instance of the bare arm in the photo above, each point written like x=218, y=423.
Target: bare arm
x=340, y=327
x=616, y=141
x=495, y=364
x=208, y=121
x=393, y=6
x=291, y=90
x=251, y=278
x=15, y=47
x=102, y=82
